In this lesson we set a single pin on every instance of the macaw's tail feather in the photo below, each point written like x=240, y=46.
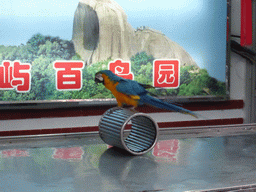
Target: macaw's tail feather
x=164, y=105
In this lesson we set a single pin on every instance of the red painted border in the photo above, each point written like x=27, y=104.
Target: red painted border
x=95, y=128
x=99, y=110
x=246, y=22
x=201, y=123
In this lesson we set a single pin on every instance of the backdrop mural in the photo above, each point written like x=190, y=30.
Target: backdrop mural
x=50, y=50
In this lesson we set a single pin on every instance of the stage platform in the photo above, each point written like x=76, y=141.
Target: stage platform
x=187, y=159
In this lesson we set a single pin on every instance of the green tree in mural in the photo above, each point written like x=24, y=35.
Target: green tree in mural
x=41, y=52
x=34, y=43
x=90, y=89
x=42, y=78
x=60, y=48
x=139, y=60
x=202, y=84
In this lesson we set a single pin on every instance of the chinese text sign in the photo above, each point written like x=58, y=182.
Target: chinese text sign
x=15, y=75
x=166, y=73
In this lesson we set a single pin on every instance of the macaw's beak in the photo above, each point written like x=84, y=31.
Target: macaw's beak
x=98, y=78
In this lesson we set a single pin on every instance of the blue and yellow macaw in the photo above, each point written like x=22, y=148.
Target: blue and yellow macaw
x=131, y=93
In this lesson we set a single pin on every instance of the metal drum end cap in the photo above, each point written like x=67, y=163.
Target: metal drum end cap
x=135, y=132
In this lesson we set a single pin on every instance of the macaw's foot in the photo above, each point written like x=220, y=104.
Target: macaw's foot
x=130, y=107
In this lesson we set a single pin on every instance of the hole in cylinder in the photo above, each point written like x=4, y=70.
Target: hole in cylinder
x=127, y=130
x=139, y=134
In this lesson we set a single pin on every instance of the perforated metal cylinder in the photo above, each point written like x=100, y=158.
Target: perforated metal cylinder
x=135, y=132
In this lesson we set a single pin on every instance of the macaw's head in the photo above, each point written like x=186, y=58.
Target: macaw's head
x=98, y=78
x=102, y=75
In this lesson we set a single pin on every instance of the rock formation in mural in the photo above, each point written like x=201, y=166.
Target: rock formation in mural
x=101, y=31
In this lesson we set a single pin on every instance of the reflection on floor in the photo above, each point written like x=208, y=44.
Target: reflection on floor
x=87, y=164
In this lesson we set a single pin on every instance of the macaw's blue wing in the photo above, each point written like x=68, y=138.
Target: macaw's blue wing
x=130, y=87
x=164, y=105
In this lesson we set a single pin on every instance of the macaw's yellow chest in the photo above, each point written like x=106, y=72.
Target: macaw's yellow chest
x=122, y=99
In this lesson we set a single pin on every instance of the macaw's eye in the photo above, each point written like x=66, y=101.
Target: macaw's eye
x=99, y=78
